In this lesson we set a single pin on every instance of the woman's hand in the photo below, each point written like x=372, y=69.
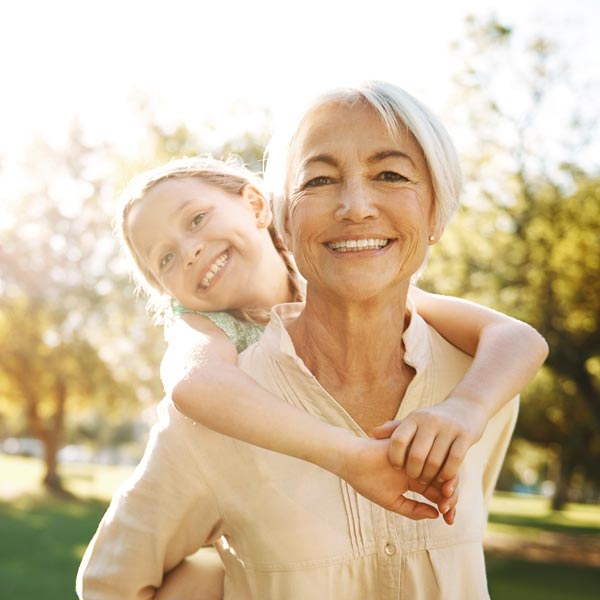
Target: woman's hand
x=368, y=470
x=431, y=443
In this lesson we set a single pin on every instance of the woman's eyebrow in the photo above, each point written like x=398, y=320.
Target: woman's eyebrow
x=379, y=156
x=322, y=158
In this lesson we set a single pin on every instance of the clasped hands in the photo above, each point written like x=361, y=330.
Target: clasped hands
x=421, y=453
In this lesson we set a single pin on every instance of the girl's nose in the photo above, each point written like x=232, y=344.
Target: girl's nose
x=192, y=253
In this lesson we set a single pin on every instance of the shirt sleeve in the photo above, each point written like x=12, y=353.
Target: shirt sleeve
x=164, y=512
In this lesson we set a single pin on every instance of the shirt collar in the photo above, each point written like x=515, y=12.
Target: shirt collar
x=277, y=340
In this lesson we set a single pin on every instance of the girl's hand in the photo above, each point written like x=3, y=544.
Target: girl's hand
x=431, y=443
x=368, y=470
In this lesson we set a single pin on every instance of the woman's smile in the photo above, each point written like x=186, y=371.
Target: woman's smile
x=361, y=245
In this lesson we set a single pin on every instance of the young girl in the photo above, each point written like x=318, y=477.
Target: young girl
x=200, y=234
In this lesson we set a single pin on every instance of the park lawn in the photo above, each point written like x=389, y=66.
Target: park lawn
x=42, y=538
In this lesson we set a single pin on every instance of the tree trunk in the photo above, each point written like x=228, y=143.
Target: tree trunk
x=561, y=493
x=51, y=434
x=53, y=437
x=51, y=478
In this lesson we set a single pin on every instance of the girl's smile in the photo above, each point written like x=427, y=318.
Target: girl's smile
x=202, y=244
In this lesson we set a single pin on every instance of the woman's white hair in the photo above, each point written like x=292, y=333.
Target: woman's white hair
x=399, y=111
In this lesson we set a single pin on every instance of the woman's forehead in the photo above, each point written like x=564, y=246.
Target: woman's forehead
x=336, y=126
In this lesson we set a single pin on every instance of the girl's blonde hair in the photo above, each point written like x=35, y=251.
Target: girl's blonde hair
x=229, y=175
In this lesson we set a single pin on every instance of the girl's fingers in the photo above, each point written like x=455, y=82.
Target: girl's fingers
x=436, y=458
x=455, y=457
x=418, y=452
x=400, y=443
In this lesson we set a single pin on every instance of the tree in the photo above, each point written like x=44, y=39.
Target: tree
x=62, y=314
x=527, y=241
x=72, y=335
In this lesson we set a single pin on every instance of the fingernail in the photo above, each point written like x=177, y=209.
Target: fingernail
x=444, y=509
x=451, y=490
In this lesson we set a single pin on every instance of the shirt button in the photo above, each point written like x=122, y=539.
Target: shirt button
x=390, y=549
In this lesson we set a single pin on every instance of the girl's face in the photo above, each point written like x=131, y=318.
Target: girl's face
x=360, y=203
x=202, y=244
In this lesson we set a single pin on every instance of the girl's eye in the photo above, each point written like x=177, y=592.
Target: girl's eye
x=197, y=219
x=390, y=176
x=318, y=181
x=165, y=260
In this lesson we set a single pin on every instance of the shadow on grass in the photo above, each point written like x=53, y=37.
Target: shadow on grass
x=42, y=540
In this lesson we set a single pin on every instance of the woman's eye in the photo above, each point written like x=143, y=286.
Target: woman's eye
x=165, y=260
x=390, y=176
x=318, y=181
x=197, y=219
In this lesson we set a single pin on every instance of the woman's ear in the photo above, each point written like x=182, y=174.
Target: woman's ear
x=257, y=201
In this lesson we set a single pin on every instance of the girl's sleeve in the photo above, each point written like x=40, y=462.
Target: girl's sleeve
x=163, y=513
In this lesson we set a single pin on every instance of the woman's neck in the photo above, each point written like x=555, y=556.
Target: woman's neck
x=353, y=341
x=355, y=351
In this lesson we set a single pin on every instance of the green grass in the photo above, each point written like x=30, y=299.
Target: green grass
x=42, y=542
x=514, y=579
x=525, y=513
x=42, y=538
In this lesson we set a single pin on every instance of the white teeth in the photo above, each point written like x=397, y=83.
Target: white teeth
x=357, y=245
x=214, y=269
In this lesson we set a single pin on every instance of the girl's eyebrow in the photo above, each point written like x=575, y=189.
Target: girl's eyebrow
x=175, y=214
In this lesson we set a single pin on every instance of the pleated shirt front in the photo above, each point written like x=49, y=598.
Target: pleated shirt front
x=286, y=529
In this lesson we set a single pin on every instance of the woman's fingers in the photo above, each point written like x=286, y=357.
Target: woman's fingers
x=413, y=509
x=382, y=432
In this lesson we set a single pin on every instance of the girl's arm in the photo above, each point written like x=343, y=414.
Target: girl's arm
x=507, y=354
x=200, y=372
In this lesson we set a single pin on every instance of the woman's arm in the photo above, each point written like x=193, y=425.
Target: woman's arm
x=163, y=512
x=507, y=354
x=200, y=369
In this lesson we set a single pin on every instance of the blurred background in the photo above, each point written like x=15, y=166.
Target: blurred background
x=92, y=93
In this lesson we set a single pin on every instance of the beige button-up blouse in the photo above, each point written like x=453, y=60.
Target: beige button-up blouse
x=284, y=528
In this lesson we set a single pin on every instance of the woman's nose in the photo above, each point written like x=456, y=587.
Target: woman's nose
x=356, y=203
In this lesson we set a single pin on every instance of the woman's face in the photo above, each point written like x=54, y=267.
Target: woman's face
x=361, y=203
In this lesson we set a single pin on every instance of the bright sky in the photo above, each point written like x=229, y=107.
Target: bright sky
x=196, y=58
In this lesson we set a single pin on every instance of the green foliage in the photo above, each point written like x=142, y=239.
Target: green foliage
x=527, y=241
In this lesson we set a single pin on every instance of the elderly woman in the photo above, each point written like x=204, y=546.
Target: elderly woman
x=371, y=180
